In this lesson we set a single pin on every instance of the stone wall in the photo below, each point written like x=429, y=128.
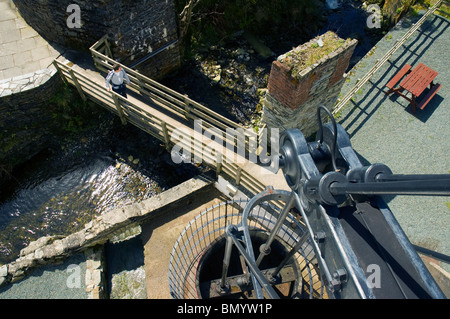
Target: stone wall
x=25, y=120
x=296, y=89
x=162, y=64
x=135, y=27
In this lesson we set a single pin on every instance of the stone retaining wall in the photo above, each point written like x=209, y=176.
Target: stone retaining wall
x=25, y=120
x=293, y=97
x=95, y=274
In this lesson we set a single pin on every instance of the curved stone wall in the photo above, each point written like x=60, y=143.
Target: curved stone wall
x=25, y=120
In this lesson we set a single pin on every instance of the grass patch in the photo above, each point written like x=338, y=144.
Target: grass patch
x=303, y=57
x=443, y=10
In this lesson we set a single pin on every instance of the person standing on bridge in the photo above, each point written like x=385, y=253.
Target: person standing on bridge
x=117, y=77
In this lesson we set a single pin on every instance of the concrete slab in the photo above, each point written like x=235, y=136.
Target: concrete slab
x=11, y=72
x=46, y=62
x=160, y=235
x=8, y=25
x=40, y=53
x=22, y=58
x=21, y=43
x=26, y=45
x=6, y=61
x=8, y=48
x=28, y=32
x=7, y=15
x=31, y=67
x=20, y=23
x=10, y=35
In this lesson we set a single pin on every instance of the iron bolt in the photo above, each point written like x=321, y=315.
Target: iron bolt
x=340, y=275
x=319, y=236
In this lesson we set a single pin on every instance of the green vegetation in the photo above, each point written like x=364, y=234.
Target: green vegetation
x=392, y=11
x=128, y=285
x=444, y=9
x=70, y=111
x=379, y=2
x=207, y=22
x=297, y=60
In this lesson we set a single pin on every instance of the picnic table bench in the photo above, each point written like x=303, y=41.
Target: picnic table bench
x=415, y=82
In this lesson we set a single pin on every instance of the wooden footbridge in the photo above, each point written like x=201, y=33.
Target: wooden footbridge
x=161, y=111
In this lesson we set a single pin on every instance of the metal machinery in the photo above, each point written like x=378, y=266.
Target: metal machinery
x=331, y=236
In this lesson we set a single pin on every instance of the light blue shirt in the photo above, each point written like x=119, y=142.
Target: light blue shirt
x=116, y=78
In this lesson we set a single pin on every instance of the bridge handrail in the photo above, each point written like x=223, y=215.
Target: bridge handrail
x=171, y=100
x=178, y=102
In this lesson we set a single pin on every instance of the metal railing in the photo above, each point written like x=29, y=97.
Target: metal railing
x=198, y=242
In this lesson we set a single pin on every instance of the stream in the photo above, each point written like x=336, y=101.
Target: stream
x=59, y=191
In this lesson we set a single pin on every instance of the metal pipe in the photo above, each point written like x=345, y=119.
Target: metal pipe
x=324, y=270
x=226, y=261
x=411, y=177
x=432, y=253
x=256, y=272
x=265, y=248
x=424, y=187
x=152, y=54
x=294, y=249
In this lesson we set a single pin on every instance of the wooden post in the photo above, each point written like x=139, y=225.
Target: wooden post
x=94, y=59
x=108, y=48
x=166, y=135
x=77, y=85
x=219, y=163
x=63, y=77
x=238, y=176
x=119, y=108
x=186, y=107
x=218, y=169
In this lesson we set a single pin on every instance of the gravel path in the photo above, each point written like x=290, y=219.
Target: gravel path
x=384, y=130
x=63, y=281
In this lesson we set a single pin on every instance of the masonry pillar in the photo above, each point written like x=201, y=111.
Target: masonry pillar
x=304, y=78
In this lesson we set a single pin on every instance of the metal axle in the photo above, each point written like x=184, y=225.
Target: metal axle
x=440, y=187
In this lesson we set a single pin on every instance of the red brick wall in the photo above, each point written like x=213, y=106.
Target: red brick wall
x=288, y=90
x=341, y=66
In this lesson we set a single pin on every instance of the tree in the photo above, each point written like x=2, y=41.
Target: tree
x=186, y=17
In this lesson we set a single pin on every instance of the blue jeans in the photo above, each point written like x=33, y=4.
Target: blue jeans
x=120, y=89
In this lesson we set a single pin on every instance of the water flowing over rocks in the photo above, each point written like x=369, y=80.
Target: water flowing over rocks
x=232, y=72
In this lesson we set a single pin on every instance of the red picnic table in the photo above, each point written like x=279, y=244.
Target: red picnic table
x=415, y=82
